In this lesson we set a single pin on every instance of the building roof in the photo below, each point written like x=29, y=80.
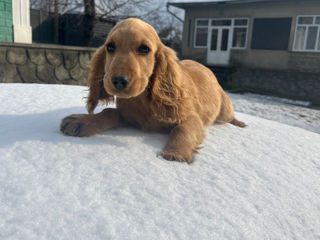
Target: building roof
x=193, y=3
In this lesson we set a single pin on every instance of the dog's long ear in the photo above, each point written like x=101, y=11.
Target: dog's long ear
x=167, y=93
x=95, y=81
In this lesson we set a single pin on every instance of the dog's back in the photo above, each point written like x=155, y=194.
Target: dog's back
x=209, y=100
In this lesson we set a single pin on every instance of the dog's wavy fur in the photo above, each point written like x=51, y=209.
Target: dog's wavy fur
x=163, y=94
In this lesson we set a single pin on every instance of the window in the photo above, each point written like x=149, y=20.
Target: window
x=241, y=22
x=224, y=40
x=226, y=22
x=307, y=35
x=238, y=25
x=214, y=39
x=271, y=33
x=305, y=20
x=240, y=33
x=201, y=33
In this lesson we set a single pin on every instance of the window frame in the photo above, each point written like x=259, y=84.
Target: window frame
x=314, y=24
x=232, y=27
x=195, y=31
x=240, y=26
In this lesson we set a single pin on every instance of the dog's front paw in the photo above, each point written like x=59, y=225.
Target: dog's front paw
x=171, y=155
x=76, y=125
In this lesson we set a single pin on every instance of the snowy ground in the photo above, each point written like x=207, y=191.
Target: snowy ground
x=261, y=182
x=286, y=111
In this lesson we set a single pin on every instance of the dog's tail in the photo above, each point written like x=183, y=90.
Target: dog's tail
x=238, y=123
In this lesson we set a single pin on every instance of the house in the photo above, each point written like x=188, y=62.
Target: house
x=264, y=46
x=15, y=21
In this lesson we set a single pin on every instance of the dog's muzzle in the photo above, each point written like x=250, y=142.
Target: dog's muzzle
x=120, y=82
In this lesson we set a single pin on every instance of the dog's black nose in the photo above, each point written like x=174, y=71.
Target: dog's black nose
x=120, y=82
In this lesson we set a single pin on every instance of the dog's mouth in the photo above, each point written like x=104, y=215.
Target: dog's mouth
x=132, y=89
x=122, y=95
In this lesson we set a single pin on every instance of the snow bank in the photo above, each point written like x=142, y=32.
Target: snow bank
x=261, y=182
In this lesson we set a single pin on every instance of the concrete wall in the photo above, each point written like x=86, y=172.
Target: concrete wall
x=287, y=84
x=277, y=60
x=41, y=63
x=287, y=74
x=6, y=26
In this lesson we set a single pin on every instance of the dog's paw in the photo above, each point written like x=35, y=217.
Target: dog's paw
x=175, y=156
x=75, y=125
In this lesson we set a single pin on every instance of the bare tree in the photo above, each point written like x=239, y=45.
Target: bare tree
x=169, y=28
x=115, y=9
x=93, y=9
x=150, y=10
x=89, y=20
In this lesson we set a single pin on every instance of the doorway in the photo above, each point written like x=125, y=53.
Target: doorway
x=220, y=43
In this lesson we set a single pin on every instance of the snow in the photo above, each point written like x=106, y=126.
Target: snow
x=260, y=182
x=282, y=110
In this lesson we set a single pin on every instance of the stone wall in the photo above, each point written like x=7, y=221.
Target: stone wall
x=42, y=63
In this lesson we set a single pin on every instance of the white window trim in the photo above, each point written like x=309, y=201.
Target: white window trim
x=195, y=31
x=305, y=37
x=219, y=27
x=232, y=27
x=240, y=26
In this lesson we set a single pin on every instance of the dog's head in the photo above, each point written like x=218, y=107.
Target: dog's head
x=130, y=57
x=131, y=60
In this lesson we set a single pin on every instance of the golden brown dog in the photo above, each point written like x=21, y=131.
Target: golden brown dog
x=154, y=91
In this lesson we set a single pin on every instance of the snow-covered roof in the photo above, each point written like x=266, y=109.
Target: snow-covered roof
x=192, y=3
x=260, y=182
x=195, y=1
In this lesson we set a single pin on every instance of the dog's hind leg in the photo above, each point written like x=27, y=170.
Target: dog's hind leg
x=226, y=110
x=227, y=113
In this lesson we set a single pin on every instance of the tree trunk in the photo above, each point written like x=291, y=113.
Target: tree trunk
x=89, y=20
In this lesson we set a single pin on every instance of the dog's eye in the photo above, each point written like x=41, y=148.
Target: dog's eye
x=143, y=50
x=111, y=47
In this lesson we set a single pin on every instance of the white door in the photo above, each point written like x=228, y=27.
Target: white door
x=219, y=40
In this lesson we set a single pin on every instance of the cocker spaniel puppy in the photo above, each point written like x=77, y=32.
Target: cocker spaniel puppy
x=154, y=92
